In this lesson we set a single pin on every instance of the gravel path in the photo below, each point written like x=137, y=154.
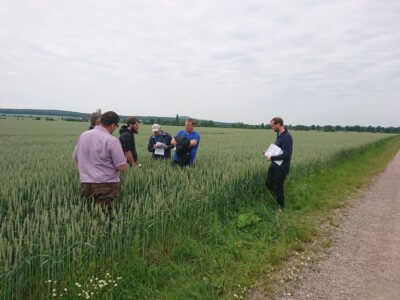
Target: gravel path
x=364, y=260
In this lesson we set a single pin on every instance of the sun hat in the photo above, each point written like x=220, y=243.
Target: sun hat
x=155, y=127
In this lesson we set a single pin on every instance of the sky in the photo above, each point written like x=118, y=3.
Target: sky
x=308, y=61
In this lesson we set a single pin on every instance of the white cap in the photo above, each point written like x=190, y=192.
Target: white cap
x=155, y=127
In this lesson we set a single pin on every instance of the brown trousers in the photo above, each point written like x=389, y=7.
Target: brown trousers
x=104, y=194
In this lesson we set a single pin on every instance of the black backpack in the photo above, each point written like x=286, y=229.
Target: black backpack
x=183, y=150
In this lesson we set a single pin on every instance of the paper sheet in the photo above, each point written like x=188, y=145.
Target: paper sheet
x=274, y=150
x=159, y=150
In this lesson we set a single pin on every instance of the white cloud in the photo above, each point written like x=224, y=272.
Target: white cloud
x=313, y=62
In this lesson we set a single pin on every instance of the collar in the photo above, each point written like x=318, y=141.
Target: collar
x=282, y=133
x=101, y=128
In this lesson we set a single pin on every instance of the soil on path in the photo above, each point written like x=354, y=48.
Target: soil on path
x=364, y=260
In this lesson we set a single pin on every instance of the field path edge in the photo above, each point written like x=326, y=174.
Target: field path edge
x=364, y=260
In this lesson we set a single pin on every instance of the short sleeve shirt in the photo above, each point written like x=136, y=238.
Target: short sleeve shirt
x=99, y=154
x=192, y=136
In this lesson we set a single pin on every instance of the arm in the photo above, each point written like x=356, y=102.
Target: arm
x=130, y=158
x=195, y=142
x=127, y=144
x=75, y=155
x=168, y=142
x=122, y=168
x=150, y=145
x=173, y=141
x=134, y=152
x=118, y=156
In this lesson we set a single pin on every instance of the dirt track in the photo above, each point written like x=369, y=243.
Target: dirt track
x=364, y=260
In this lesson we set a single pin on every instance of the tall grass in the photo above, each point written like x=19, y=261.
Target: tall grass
x=46, y=235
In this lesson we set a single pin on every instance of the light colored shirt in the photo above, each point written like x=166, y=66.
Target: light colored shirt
x=99, y=154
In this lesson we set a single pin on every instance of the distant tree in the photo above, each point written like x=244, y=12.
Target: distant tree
x=328, y=128
x=338, y=128
x=177, y=120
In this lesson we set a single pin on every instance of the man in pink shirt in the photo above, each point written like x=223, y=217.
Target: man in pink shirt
x=99, y=158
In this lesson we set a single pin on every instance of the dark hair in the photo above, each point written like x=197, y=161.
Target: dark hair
x=277, y=120
x=191, y=120
x=109, y=118
x=132, y=120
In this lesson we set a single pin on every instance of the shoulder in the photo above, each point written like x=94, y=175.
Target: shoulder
x=287, y=137
x=124, y=135
x=112, y=142
x=113, y=139
x=167, y=135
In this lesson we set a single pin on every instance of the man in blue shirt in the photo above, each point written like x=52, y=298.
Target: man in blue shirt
x=277, y=172
x=193, y=144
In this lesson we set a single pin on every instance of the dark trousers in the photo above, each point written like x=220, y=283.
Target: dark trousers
x=103, y=194
x=275, y=181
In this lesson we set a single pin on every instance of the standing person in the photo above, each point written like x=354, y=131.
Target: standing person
x=187, y=143
x=277, y=173
x=160, y=143
x=94, y=119
x=99, y=158
x=127, y=139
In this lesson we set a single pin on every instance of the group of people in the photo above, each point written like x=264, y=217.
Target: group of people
x=100, y=157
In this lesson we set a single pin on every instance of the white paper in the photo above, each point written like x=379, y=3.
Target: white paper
x=159, y=150
x=274, y=150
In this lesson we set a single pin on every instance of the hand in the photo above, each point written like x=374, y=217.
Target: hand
x=164, y=146
x=269, y=158
x=173, y=142
x=193, y=143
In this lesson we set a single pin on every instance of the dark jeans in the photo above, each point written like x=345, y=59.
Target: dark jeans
x=275, y=181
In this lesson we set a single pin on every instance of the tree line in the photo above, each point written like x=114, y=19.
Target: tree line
x=180, y=121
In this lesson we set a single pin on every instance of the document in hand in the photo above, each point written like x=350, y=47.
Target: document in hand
x=159, y=150
x=274, y=150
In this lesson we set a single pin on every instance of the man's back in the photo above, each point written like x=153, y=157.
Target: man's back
x=99, y=155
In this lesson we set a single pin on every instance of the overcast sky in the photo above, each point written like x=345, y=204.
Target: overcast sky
x=311, y=62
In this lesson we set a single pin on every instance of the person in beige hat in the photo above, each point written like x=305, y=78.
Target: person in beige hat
x=160, y=143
